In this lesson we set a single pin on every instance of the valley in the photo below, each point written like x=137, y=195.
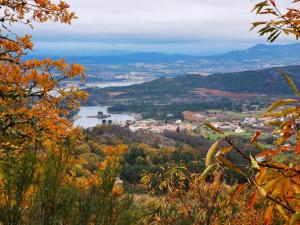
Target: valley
x=238, y=92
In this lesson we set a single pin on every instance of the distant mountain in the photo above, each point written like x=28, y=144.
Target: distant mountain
x=256, y=53
x=262, y=52
x=142, y=57
x=166, y=65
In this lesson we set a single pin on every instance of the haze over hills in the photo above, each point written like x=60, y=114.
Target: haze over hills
x=260, y=52
x=154, y=65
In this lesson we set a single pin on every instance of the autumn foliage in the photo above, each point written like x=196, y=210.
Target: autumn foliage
x=277, y=170
x=39, y=182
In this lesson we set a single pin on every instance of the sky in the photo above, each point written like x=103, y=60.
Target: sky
x=196, y=27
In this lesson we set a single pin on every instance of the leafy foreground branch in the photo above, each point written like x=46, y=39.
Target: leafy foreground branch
x=277, y=170
x=42, y=180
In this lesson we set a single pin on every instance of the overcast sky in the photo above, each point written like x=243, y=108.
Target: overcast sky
x=196, y=27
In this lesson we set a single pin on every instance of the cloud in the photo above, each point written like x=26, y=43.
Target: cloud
x=153, y=22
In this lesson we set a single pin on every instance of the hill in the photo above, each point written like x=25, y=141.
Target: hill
x=197, y=92
x=261, y=52
x=267, y=81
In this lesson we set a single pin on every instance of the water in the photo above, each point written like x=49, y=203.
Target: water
x=105, y=84
x=86, y=112
x=113, y=84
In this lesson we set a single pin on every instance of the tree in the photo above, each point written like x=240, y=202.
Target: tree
x=34, y=107
x=277, y=170
x=30, y=91
x=39, y=183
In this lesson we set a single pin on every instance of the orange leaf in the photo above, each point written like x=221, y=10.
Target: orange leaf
x=268, y=215
x=273, y=2
x=237, y=190
x=252, y=201
x=254, y=138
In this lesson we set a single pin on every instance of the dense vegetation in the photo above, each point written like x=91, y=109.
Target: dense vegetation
x=170, y=111
x=155, y=152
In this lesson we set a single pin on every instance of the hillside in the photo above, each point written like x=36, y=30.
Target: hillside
x=232, y=91
x=267, y=82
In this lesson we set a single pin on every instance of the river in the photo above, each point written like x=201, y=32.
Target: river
x=87, y=116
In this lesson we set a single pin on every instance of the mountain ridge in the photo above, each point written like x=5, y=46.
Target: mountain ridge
x=258, y=51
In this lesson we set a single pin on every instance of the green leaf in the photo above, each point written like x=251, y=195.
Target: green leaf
x=256, y=24
x=274, y=36
x=254, y=162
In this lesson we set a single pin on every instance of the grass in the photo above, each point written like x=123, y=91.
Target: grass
x=213, y=136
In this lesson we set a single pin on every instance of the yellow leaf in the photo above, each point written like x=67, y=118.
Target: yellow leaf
x=254, y=162
x=260, y=177
x=210, y=153
x=229, y=164
x=213, y=128
x=226, y=150
x=207, y=171
x=282, y=212
x=271, y=185
x=262, y=191
x=278, y=188
x=291, y=83
x=279, y=103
